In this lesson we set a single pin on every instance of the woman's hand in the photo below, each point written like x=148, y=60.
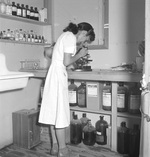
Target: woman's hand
x=83, y=52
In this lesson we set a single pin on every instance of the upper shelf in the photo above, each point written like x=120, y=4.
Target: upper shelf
x=16, y=18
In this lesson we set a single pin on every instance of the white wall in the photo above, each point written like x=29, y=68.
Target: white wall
x=126, y=30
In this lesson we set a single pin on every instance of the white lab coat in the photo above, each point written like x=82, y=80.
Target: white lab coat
x=55, y=103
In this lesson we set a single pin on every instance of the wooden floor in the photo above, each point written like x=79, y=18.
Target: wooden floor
x=42, y=150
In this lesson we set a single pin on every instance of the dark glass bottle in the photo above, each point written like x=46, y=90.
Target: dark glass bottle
x=82, y=95
x=84, y=120
x=121, y=98
x=134, y=99
x=19, y=9
x=23, y=11
x=27, y=12
x=89, y=134
x=134, y=141
x=123, y=139
x=14, y=9
x=107, y=96
x=72, y=88
x=75, y=130
x=101, y=136
x=36, y=14
x=32, y=13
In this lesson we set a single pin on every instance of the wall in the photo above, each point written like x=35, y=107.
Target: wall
x=26, y=98
x=126, y=29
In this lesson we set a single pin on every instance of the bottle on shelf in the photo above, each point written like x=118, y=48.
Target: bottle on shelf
x=32, y=12
x=84, y=120
x=101, y=126
x=23, y=11
x=134, y=141
x=134, y=99
x=19, y=10
x=14, y=9
x=36, y=14
x=82, y=95
x=75, y=130
x=89, y=134
x=8, y=34
x=27, y=12
x=2, y=7
x=123, y=139
x=72, y=88
x=121, y=98
x=107, y=96
x=8, y=8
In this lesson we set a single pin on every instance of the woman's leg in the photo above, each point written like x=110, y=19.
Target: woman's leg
x=54, y=144
x=60, y=133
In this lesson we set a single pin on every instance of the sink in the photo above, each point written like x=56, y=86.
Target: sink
x=12, y=80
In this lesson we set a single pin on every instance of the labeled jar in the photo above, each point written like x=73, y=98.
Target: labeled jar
x=89, y=134
x=107, y=96
x=72, y=89
x=2, y=7
x=82, y=95
x=27, y=12
x=101, y=126
x=121, y=98
x=18, y=10
x=14, y=9
x=134, y=99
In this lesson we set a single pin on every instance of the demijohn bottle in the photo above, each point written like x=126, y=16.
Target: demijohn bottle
x=89, y=134
x=123, y=139
x=72, y=88
x=101, y=126
x=75, y=130
x=84, y=120
x=134, y=141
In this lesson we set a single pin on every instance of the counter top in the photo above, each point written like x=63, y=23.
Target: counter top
x=97, y=75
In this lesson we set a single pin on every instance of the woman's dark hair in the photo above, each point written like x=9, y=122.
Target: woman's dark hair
x=80, y=27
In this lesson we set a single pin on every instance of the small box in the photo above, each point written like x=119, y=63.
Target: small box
x=93, y=95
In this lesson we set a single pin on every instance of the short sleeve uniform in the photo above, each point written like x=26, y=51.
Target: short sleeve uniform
x=55, y=103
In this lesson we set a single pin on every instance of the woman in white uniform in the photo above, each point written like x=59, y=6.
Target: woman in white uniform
x=55, y=103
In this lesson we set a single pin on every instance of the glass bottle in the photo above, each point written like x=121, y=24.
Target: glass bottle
x=89, y=134
x=18, y=10
x=31, y=13
x=123, y=139
x=75, y=130
x=2, y=7
x=107, y=97
x=8, y=34
x=121, y=98
x=134, y=99
x=27, y=12
x=82, y=95
x=23, y=11
x=14, y=9
x=8, y=8
x=84, y=120
x=101, y=126
x=134, y=141
x=36, y=14
x=72, y=88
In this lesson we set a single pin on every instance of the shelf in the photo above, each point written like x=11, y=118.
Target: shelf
x=90, y=111
x=24, y=43
x=128, y=115
x=16, y=18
